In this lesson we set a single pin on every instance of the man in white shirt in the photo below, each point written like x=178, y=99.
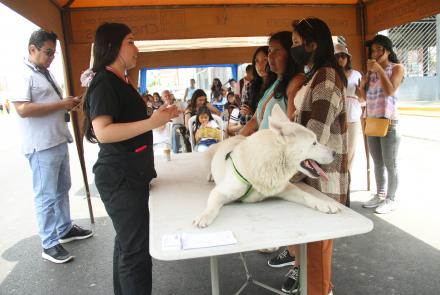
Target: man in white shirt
x=43, y=116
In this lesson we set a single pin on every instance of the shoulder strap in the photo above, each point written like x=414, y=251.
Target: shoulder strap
x=264, y=106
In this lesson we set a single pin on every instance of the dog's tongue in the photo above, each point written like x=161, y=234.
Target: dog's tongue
x=318, y=169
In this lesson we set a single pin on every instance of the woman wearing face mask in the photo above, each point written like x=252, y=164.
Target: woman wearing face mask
x=281, y=91
x=383, y=80
x=116, y=118
x=319, y=106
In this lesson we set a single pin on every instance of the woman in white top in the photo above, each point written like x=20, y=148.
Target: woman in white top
x=352, y=103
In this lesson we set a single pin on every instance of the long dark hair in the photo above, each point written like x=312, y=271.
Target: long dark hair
x=315, y=30
x=257, y=85
x=292, y=68
x=107, y=44
x=193, y=102
x=216, y=88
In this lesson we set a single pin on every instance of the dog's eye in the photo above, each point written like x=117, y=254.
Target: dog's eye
x=314, y=143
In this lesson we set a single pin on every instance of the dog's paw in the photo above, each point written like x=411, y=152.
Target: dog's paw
x=325, y=206
x=203, y=220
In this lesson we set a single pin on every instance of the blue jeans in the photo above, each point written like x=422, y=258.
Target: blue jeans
x=384, y=150
x=51, y=183
x=175, y=138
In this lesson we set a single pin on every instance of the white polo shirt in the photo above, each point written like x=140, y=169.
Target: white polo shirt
x=39, y=133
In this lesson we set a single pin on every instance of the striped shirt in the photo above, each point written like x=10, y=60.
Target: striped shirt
x=378, y=104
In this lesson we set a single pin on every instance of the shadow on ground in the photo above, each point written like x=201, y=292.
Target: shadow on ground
x=386, y=261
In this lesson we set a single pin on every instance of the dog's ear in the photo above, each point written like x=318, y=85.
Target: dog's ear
x=275, y=125
x=277, y=119
x=279, y=114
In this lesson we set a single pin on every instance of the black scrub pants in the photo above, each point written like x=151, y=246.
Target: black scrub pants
x=128, y=210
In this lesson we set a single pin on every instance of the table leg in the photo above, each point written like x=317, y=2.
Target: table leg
x=215, y=288
x=303, y=271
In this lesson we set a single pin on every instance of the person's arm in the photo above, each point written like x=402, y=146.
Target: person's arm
x=31, y=109
x=233, y=128
x=250, y=127
x=360, y=90
x=245, y=110
x=294, y=85
x=186, y=117
x=107, y=132
x=391, y=84
x=186, y=94
x=213, y=109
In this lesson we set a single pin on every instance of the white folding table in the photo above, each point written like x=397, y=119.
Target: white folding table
x=180, y=193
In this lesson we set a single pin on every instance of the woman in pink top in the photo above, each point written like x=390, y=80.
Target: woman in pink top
x=379, y=87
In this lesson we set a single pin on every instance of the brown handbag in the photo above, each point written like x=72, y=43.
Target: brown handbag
x=376, y=126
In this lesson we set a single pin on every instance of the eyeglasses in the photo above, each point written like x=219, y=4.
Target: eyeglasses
x=48, y=52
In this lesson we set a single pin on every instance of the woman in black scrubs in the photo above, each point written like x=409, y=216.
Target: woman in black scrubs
x=116, y=119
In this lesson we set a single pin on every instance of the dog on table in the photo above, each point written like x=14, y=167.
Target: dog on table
x=251, y=169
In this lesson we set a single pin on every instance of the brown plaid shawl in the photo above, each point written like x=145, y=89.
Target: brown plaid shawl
x=323, y=111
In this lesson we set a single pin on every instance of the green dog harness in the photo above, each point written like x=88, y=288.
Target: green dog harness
x=240, y=178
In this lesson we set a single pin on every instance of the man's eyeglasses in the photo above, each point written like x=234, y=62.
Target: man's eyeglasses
x=48, y=52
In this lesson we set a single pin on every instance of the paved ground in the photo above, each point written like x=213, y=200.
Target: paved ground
x=400, y=256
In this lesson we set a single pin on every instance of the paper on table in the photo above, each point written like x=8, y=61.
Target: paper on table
x=202, y=240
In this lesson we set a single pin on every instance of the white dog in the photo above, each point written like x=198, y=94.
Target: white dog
x=251, y=169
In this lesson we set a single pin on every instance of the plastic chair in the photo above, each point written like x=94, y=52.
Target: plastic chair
x=191, y=121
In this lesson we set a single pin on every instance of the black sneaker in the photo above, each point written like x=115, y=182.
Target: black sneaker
x=56, y=254
x=291, y=284
x=76, y=233
x=282, y=259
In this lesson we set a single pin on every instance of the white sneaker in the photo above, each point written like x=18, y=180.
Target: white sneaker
x=374, y=202
x=386, y=207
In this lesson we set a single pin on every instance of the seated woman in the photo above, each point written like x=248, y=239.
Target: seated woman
x=198, y=100
x=207, y=131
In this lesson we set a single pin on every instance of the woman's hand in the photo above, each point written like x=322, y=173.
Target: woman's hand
x=245, y=110
x=164, y=114
x=373, y=66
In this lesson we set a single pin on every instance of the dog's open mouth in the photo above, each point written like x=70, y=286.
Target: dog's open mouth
x=314, y=168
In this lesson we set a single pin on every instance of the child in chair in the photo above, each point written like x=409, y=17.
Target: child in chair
x=207, y=131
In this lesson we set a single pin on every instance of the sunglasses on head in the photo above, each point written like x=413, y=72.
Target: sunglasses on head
x=306, y=21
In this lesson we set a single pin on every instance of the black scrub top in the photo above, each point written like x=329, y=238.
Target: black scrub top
x=109, y=95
